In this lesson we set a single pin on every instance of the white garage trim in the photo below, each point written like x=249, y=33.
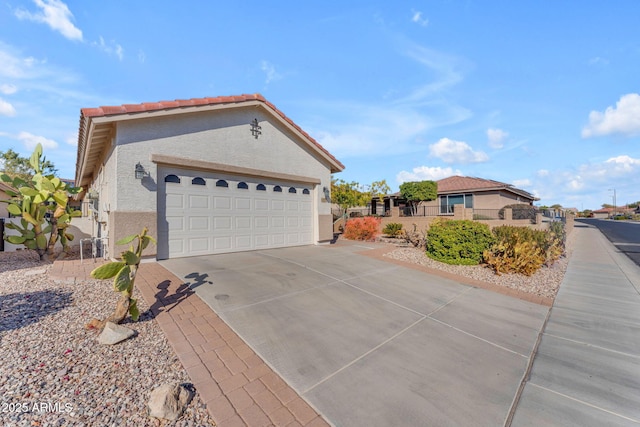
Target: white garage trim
x=204, y=212
x=180, y=162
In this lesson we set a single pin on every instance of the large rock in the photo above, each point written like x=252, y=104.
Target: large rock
x=168, y=401
x=113, y=334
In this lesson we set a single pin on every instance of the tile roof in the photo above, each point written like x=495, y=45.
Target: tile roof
x=126, y=109
x=465, y=183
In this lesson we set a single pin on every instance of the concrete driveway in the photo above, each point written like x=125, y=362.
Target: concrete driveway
x=370, y=343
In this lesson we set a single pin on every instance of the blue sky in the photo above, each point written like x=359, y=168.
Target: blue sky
x=542, y=95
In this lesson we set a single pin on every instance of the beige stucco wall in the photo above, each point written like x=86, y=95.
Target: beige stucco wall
x=326, y=228
x=222, y=137
x=124, y=224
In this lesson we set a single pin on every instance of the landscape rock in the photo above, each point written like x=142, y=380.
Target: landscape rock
x=168, y=401
x=41, y=334
x=113, y=334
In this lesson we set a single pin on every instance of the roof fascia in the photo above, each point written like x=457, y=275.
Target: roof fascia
x=334, y=166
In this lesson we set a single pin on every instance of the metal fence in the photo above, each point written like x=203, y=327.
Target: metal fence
x=422, y=211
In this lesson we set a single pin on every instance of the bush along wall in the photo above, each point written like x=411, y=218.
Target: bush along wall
x=367, y=228
x=460, y=242
x=524, y=250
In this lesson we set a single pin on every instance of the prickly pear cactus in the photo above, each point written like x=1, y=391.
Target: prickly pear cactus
x=42, y=205
x=124, y=274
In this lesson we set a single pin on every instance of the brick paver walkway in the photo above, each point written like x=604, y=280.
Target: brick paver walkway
x=238, y=387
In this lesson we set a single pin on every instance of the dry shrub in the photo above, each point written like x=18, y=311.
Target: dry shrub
x=367, y=228
x=524, y=250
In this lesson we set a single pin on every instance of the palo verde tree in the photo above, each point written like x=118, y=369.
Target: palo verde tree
x=417, y=191
x=41, y=202
x=352, y=194
x=16, y=166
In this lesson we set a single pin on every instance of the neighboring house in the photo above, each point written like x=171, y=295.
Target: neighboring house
x=479, y=193
x=602, y=213
x=476, y=193
x=206, y=176
x=609, y=212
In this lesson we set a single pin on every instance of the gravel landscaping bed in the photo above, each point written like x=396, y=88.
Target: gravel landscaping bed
x=545, y=282
x=52, y=370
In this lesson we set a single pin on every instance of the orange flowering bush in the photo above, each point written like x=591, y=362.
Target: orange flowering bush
x=367, y=228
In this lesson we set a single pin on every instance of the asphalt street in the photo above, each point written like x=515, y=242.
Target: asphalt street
x=625, y=235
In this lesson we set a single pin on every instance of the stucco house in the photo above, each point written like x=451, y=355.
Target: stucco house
x=206, y=176
x=476, y=193
x=479, y=193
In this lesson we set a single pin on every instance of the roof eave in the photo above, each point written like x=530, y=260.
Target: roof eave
x=90, y=117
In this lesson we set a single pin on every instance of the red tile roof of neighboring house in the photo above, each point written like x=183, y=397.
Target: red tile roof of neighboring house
x=194, y=102
x=610, y=210
x=466, y=183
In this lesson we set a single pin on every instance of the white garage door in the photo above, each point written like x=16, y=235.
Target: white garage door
x=205, y=213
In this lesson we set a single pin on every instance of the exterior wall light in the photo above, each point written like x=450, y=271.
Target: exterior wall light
x=255, y=129
x=140, y=172
x=327, y=194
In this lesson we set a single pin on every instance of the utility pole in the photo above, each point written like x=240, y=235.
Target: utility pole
x=615, y=206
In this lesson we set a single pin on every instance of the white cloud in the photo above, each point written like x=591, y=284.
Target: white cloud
x=450, y=151
x=418, y=19
x=598, y=61
x=496, y=137
x=270, y=71
x=446, y=69
x=142, y=57
x=426, y=173
x=111, y=48
x=8, y=89
x=6, y=109
x=589, y=185
x=15, y=67
x=521, y=182
x=623, y=165
x=56, y=15
x=30, y=141
x=72, y=140
x=400, y=122
x=624, y=118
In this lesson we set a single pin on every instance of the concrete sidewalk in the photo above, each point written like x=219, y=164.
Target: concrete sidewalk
x=586, y=371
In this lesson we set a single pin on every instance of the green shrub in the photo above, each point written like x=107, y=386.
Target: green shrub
x=458, y=241
x=367, y=228
x=524, y=250
x=392, y=229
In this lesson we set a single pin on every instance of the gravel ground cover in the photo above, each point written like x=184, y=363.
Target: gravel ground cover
x=545, y=282
x=52, y=370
